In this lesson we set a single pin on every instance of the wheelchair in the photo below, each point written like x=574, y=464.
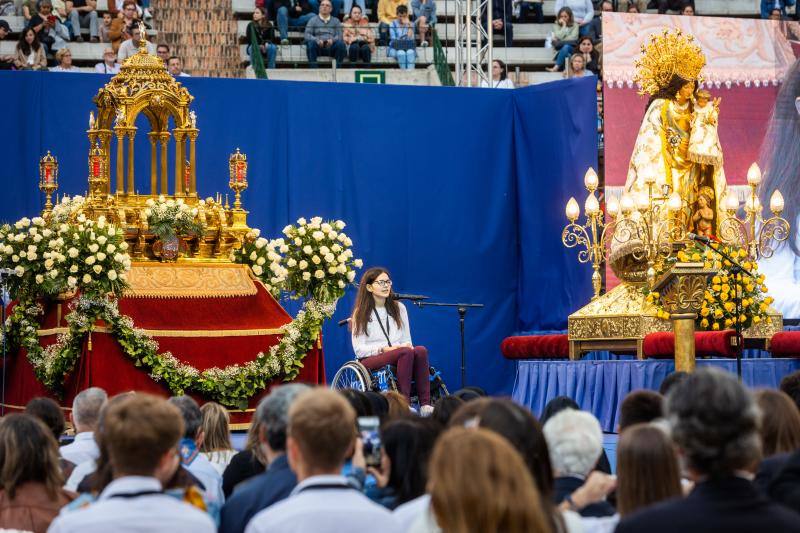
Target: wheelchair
x=354, y=375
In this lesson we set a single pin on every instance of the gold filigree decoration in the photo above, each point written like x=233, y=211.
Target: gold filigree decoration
x=668, y=54
x=163, y=280
x=685, y=294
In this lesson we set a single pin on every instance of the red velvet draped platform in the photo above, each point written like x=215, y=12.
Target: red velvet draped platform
x=202, y=332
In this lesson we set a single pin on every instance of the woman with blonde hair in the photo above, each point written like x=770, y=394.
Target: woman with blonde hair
x=216, y=445
x=478, y=482
x=30, y=477
x=398, y=405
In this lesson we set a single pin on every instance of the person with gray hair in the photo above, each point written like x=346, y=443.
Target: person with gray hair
x=84, y=416
x=715, y=422
x=194, y=461
x=575, y=441
x=261, y=491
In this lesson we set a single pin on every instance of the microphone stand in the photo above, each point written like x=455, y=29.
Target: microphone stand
x=735, y=269
x=462, y=313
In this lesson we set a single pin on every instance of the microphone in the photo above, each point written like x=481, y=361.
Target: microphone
x=698, y=238
x=343, y=322
x=410, y=297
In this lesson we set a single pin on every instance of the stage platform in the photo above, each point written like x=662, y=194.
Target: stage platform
x=599, y=385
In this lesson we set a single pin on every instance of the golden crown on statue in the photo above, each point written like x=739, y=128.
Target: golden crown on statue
x=668, y=54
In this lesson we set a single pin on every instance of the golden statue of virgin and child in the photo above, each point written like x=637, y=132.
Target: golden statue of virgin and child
x=678, y=144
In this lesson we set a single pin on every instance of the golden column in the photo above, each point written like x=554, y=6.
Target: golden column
x=153, y=135
x=105, y=145
x=131, y=136
x=164, y=138
x=120, y=133
x=192, y=133
x=180, y=157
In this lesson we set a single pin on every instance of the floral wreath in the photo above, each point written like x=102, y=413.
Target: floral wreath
x=68, y=253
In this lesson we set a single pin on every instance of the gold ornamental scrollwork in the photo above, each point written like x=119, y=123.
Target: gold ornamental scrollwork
x=685, y=294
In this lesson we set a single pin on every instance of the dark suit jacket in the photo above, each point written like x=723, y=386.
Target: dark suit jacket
x=257, y=494
x=564, y=486
x=785, y=487
x=768, y=470
x=728, y=505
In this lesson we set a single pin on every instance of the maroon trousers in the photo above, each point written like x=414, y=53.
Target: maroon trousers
x=410, y=362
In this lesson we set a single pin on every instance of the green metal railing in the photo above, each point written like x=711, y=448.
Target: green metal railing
x=440, y=61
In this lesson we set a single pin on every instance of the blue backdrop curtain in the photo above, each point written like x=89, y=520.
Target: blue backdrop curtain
x=459, y=192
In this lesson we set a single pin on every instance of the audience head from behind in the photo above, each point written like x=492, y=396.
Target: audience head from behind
x=780, y=422
x=556, y=405
x=28, y=454
x=320, y=434
x=478, y=482
x=575, y=441
x=359, y=401
x=86, y=409
x=192, y=418
x=49, y=412
x=216, y=428
x=790, y=384
x=715, y=423
x=647, y=468
x=378, y=404
x=672, y=380
x=273, y=417
x=640, y=406
x=470, y=393
x=445, y=408
x=398, y=405
x=407, y=445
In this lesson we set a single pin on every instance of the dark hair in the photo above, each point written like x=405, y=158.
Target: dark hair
x=555, y=406
x=470, y=393
x=780, y=154
x=688, y=3
x=671, y=90
x=671, y=380
x=790, y=384
x=409, y=443
x=715, y=422
x=503, y=68
x=170, y=58
x=28, y=452
x=647, y=469
x=163, y=45
x=49, y=412
x=444, y=408
x=378, y=403
x=354, y=6
x=586, y=38
x=22, y=44
x=402, y=9
x=780, y=422
x=365, y=303
x=469, y=411
x=359, y=401
x=568, y=11
x=190, y=412
x=264, y=15
x=639, y=407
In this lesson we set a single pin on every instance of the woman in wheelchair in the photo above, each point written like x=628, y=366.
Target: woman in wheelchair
x=381, y=335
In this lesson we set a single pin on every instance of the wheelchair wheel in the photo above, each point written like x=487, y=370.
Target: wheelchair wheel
x=352, y=375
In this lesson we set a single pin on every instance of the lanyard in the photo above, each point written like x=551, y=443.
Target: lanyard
x=386, y=330
x=128, y=495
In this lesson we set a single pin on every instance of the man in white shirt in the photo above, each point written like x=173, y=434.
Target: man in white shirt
x=141, y=433
x=320, y=437
x=109, y=64
x=84, y=416
x=193, y=460
x=131, y=46
x=175, y=67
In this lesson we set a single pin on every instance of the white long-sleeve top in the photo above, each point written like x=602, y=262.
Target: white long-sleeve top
x=372, y=340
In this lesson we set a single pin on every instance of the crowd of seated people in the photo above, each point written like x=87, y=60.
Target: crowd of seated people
x=703, y=454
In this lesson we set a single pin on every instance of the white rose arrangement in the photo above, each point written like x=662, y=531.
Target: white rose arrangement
x=169, y=218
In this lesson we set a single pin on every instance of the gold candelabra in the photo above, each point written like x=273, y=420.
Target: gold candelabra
x=593, y=234
x=753, y=232
x=48, y=178
x=238, y=182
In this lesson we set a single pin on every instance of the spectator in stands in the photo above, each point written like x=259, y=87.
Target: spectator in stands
x=780, y=423
x=109, y=64
x=358, y=36
x=688, y=10
x=769, y=6
x=50, y=413
x=30, y=52
x=577, y=67
x=478, y=482
x=633, y=9
x=444, y=408
x=141, y=433
x=249, y=462
x=672, y=379
x=387, y=13
x=175, y=67
x=277, y=482
x=51, y=33
x=565, y=37
x=121, y=24
x=323, y=36
x=320, y=436
x=640, y=407
x=162, y=51
x=192, y=459
x=84, y=417
x=261, y=34
x=536, y=6
x=401, y=40
x=131, y=46
x=83, y=13
x=424, y=16
x=776, y=14
x=647, y=474
x=6, y=61
x=30, y=478
x=582, y=12
x=216, y=446
x=296, y=15
x=641, y=6
x=500, y=79
x=29, y=10
x=502, y=15
x=715, y=423
x=105, y=28
x=672, y=5
x=575, y=442
x=590, y=55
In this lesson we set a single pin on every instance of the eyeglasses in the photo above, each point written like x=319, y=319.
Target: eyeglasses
x=383, y=283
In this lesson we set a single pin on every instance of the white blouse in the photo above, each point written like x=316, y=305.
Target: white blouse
x=372, y=340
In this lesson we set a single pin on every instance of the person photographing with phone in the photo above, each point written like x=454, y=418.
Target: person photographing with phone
x=381, y=336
